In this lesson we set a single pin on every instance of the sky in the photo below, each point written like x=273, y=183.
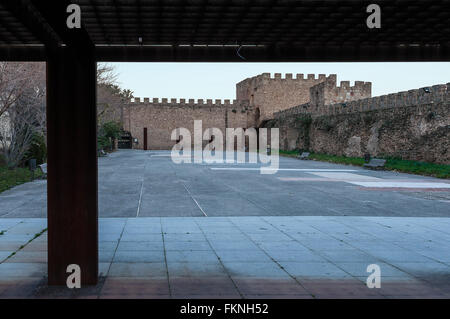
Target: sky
x=218, y=80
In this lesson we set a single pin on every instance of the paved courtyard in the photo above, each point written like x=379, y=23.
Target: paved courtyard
x=149, y=184
x=227, y=231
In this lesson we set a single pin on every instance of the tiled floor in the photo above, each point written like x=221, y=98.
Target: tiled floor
x=242, y=257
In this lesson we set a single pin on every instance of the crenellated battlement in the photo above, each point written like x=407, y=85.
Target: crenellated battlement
x=426, y=95
x=359, y=85
x=173, y=102
x=288, y=77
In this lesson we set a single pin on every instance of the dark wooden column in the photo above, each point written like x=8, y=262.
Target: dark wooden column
x=72, y=165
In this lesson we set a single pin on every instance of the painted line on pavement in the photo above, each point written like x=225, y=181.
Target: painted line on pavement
x=281, y=169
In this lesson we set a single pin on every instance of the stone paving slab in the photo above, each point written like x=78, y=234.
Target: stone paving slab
x=241, y=257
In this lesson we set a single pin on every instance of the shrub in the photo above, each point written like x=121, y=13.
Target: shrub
x=111, y=129
x=37, y=150
x=108, y=132
x=103, y=143
x=2, y=160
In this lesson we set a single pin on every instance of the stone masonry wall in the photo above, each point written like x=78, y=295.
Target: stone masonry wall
x=327, y=93
x=412, y=125
x=267, y=95
x=162, y=117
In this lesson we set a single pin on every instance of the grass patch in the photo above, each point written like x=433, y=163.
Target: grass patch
x=357, y=161
x=393, y=164
x=13, y=177
x=289, y=153
x=421, y=168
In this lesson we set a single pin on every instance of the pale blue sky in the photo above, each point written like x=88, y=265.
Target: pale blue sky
x=218, y=80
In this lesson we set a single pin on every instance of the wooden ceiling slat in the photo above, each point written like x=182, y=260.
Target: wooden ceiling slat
x=297, y=24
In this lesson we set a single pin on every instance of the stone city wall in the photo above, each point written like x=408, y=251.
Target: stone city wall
x=411, y=125
x=161, y=117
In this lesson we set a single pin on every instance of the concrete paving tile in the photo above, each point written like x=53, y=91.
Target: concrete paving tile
x=109, y=237
x=393, y=279
x=10, y=246
x=232, y=245
x=314, y=270
x=15, y=238
x=400, y=255
x=36, y=246
x=313, y=236
x=220, y=206
x=358, y=269
x=193, y=256
x=43, y=291
x=19, y=287
x=296, y=256
x=141, y=237
x=196, y=269
x=148, y=270
x=259, y=229
x=187, y=245
x=140, y=246
x=41, y=238
x=107, y=245
x=154, y=228
x=342, y=288
x=290, y=245
x=7, y=223
x=135, y=256
x=212, y=231
x=255, y=270
x=350, y=255
x=213, y=223
x=105, y=255
x=143, y=222
x=180, y=228
x=271, y=237
x=247, y=255
x=226, y=237
x=25, y=229
x=175, y=237
x=261, y=287
x=28, y=257
x=22, y=270
x=103, y=268
x=440, y=255
x=324, y=244
x=179, y=221
x=134, y=287
x=407, y=289
x=209, y=286
x=118, y=221
x=4, y=255
x=369, y=245
x=110, y=228
x=424, y=269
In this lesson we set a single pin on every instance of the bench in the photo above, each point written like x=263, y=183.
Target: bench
x=375, y=163
x=303, y=156
x=43, y=168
